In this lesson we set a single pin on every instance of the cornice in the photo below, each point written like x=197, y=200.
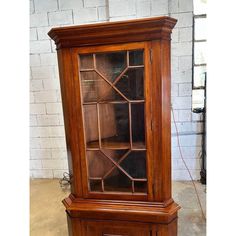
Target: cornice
x=155, y=28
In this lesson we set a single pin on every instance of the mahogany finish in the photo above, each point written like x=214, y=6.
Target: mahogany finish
x=120, y=177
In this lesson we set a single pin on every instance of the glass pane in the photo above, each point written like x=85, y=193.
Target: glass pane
x=115, y=155
x=199, y=76
x=95, y=88
x=140, y=186
x=91, y=125
x=131, y=84
x=95, y=185
x=198, y=98
x=114, y=123
x=199, y=7
x=86, y=61
x=136, y=58
x=98, y=164
x=200, y=52
x=138, y=130
x=117, y=181
x=200, y=29
x=111, y=64
x=135, y=164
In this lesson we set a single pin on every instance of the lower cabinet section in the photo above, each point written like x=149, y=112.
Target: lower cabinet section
x=114, y=228
x=82, y=227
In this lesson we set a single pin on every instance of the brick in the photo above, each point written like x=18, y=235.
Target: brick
x=185, y=89
x=48, y=59
x=197, y=127
x=143, y=8
x=102, y=14
x=36, y=109
x=37, y=20
x=54, y=108
x=159, y=7
x=32, y=100
x=43, y=72
x=36, y=85
x=59, y=153
x=187, y=152
x=174, y=6
x=182, y=102
x=42, y=46
x=183, y=127
x=183, y=175
x=60, y=17
x=35, y=142
x=190, y=140
x=174, y=90
x=33, y=34
x=35, y=164
x=40, y=154
x=38, y=132
x=192, y=164
x=51, y=84
x=174, y=63
x=122, y=18
x=57, y=131
x=185, y=5
x=182, y=76
x=184, y=19
x=45, y=5
x=58, y=142
x=33, y=120
x=45, y=96
x=35, y=60
x=54, y=164
x=122, y=8
x=58, y=174
x=53, y=46
x=181, y=49
x=43, y=32
x=46, y=120
x=41, y=174
x=175, y=35
x=85, y=15
x=70, y=5
x=197, y=116
x=174, y=115
x=32, y=7
x=185, y=115
x=185, y=63
x=94, y=3
x=185, y=34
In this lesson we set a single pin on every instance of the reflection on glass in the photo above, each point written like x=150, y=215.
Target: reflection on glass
x=94, y=88
x=91, y=125
x=111, y=64
x=117, y=181
x=95, y=185
x=200, y=29
x=199, y=52
x=98, y=164
x=199, y=76
x=86, y=61
x=135, y=164
x=131, y=84
x=114, y=123
x=138, y=130
x=115, y=155
x=140, y=186
x=136, y=58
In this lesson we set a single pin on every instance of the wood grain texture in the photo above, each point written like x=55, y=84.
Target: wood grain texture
x=113, y=32
x=118, y=213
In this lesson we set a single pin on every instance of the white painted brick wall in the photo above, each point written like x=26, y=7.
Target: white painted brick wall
x=48, y=158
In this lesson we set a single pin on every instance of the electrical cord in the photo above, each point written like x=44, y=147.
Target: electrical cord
x=181, y=155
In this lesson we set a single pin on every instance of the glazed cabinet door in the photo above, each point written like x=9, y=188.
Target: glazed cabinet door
x=115, y=120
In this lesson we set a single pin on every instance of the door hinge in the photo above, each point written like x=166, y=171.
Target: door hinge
x=150, y=53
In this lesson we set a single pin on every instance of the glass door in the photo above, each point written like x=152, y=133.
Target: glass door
x=113, y=102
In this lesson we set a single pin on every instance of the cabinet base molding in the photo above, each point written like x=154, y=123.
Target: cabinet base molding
x=89, y=217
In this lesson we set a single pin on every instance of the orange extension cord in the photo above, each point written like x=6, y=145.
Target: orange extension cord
x=181, y=155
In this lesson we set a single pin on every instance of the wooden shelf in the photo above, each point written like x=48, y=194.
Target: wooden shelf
x=115, y=145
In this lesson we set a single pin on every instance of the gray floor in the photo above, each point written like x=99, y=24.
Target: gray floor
x=48, y=218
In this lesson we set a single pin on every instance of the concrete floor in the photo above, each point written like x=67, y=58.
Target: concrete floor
x=48, y=218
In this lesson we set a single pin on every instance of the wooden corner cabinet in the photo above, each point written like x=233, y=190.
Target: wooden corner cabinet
x=115, y=86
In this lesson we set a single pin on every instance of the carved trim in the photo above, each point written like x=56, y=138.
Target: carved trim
x=113, y=32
